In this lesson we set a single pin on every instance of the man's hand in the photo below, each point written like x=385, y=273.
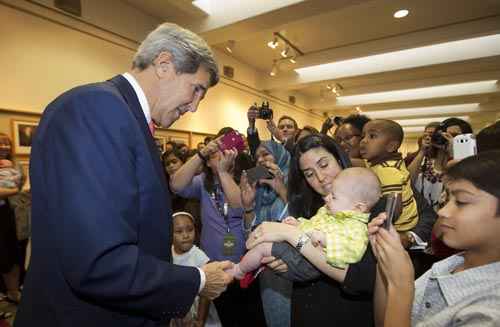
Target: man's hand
x=252, y=114
x=291, y=221
x=216, y=278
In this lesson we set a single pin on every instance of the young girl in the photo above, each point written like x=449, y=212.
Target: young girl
x=464, y=289
x=185, y=253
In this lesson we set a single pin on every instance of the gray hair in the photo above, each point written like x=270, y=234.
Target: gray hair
x=189, y=51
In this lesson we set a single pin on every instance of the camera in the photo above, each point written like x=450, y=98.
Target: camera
x=437, y=138
x=264, y=112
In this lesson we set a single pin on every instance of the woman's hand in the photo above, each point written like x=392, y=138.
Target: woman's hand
x=248, y=192
x=277, y=183
x=211, y=148
x=273, y=232
x=276, y=265
x=226, y=161
x=393, y=260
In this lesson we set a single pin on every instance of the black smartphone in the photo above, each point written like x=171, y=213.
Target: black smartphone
x=258, y=172
x=392, y=209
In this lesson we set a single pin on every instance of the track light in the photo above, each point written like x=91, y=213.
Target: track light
x=273, y=44
x=285, y=52
x=230, y=46
x=292, y=60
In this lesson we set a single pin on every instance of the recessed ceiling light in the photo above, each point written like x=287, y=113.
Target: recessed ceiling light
x=474, y=48
x=401, y=13
x=230, y=46
x=274, y=69
x=431, y=92
x=412, y=112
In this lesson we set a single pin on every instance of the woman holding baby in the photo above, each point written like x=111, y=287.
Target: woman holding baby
x=340, y=296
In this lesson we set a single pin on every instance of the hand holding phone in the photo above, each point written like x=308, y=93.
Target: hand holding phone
x=393, y=209
x=232, y=140
x=256, y=173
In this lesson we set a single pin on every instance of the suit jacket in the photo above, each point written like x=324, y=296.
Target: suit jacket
x=101, y=217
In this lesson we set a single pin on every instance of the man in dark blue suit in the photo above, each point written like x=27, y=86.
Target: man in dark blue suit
x=101, y=207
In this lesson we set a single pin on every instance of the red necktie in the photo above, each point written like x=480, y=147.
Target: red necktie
x=152, y=127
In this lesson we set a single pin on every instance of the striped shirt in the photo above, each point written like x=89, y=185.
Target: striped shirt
x=467, y=298
x=394, y=177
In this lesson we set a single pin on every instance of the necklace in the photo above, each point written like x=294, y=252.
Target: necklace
x=430, y=172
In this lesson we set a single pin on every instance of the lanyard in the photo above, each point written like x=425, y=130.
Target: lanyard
x=221, y=205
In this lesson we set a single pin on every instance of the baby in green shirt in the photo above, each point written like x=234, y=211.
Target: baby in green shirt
x=339, y=227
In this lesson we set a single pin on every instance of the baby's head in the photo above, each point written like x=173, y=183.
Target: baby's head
x=380, y=137
x=184, y=232
x=355, y=189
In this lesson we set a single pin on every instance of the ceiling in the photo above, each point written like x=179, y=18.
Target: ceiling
x=328, y=31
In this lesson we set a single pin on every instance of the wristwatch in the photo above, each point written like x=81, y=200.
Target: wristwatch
x=303, y=239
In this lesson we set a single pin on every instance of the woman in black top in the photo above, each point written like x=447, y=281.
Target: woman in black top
x=316, y=161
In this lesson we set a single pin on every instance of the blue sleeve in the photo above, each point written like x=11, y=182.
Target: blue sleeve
x=194, y=189
x=89, y=159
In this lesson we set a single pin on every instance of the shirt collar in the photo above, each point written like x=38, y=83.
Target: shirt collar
x=143, y=101
x=463, y=284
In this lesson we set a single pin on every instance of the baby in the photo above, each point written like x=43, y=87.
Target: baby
x=340, y=227
x=10, y=177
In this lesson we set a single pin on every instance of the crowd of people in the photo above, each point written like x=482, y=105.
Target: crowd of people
x=124, y=237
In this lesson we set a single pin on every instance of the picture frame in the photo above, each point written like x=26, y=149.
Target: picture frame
x=22, y=135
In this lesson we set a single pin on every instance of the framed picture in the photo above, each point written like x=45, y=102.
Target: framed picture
x=22, y=135
x=160, y=143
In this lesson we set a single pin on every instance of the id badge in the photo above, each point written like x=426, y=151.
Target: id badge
x=228, y=244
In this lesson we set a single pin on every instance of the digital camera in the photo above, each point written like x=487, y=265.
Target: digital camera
x=264, y=112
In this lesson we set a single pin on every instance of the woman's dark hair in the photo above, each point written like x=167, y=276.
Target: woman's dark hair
x=209, y=181
x=307, y=128
x=303, y=201
x=9, y=157
x=482, y=171
x=289, y=118
x=489, y=138
x=242, y=162
x=356, y=120
x=464, y=126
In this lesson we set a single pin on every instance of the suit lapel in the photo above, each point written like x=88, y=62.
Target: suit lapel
x=130, y=97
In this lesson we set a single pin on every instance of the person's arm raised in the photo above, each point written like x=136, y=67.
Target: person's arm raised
x=229, y=186
x=183, y=177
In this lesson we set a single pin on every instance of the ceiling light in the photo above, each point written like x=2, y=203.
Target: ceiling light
x=437, y=110
x=292, y=60
x=358, y=110
x=425, y=121
x=274, y=69
x=284, y=53
x=401, y=13
x=440, y=91
x=480, y=47
x=328, y=86
x=273, y=44
x=230, y=46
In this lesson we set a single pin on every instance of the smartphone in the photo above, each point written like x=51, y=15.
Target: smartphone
x=392, y=208
x=464, y=146
x=232, y=140
x=258, y=172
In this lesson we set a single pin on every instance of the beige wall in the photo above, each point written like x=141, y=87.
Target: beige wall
x=44, y=57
